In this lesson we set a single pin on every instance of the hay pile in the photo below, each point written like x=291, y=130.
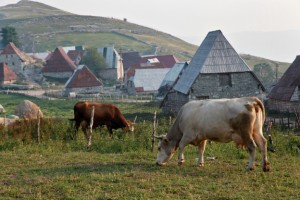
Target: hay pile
x=28, y=110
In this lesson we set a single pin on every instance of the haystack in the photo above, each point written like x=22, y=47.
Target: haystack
x=28, y=110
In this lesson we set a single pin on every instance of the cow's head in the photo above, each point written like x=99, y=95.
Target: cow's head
x=165, y=150
x=129, y=126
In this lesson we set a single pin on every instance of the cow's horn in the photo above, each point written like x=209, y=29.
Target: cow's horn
x=134, y=119
x=159, y=136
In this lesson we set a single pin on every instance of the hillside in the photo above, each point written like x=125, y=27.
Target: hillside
x=42, y=27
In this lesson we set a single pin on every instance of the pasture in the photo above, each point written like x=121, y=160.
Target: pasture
x=123, y=167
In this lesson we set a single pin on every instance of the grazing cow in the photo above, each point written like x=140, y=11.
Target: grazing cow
x=104, y=114
x=223, y=120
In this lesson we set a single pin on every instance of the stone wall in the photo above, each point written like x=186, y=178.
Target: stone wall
x=61, y=75
x=208, y=86
x=84, y=90
x=109, y=74
x=173, y=102
x=14, y=62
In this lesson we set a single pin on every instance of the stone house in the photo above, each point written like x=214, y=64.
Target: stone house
x=15, y=58
x=83, y=81
x=114, y=70
x=59, y=65
x=215, y=71
x=284, y=96
x=7, y=76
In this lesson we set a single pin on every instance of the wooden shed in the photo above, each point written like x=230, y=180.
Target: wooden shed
x=284, y=96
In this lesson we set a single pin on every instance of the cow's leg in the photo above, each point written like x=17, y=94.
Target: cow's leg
x=251, y=146
x=76, y=128
x=180, y=154
x=201, y=149
x=109, y=128
x=261, y=142
x=87, y=133
x=187, y=138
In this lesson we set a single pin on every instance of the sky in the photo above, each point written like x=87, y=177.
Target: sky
x=264, y=28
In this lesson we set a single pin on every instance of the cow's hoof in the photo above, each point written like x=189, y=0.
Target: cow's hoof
x=200, y=165
x=250, y=168
x=266, y=167
x=180, y=162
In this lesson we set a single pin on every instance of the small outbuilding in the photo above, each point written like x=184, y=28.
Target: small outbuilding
x=284, y=96
x=83, y=81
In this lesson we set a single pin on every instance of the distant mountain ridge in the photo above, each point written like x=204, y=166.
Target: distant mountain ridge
x=29, y=9
x=42, y=27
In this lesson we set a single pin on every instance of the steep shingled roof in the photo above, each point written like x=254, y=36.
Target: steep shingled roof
x=6, y=74
x=287, y=84
x=10, y=48
x=83, y=77
x=215, y=55
x=59, y=62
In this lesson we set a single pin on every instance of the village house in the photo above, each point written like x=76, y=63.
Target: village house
x=59, y=65
x=215, y=71
x=130, y=59
x=284, y=96
x=7, y=76
x=15, y=58
x=147, y=76
x=146, y=81
x=83, y=81
x=114, y=70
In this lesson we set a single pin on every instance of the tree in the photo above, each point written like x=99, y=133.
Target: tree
x=265, y=73
x=10, y=34
x=93, y=60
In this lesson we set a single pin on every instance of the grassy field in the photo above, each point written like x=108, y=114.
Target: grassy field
x=123, y=167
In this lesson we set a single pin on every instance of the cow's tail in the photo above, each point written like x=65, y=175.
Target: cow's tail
x=260, y=106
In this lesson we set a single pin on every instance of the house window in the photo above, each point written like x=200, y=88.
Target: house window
x=225, y=80
x=13, y=63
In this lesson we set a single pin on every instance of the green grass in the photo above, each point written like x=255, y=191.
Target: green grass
x=55, y=170
x=94, y=40
x=123, y=167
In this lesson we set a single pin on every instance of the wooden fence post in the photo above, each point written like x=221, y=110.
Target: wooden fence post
x=38, y=127
x=153, y=131
x=91, y=127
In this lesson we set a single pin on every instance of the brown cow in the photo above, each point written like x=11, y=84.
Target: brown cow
x=104, y=114
x=223, y=120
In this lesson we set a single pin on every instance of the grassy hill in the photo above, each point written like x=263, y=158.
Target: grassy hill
x=42, y=28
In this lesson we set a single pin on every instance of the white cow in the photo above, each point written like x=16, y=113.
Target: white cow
x=223, y=120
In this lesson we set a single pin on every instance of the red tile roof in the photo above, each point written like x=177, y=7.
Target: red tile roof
x=6, y=74
x=83, y=77
x=10, y=48
x=130, y=58
x=59, y=61
x=167, y=61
